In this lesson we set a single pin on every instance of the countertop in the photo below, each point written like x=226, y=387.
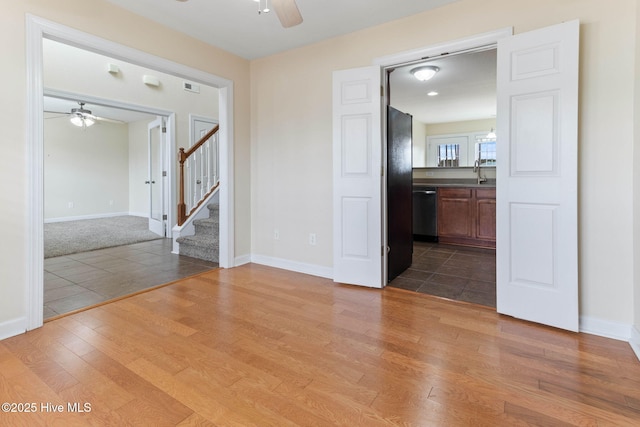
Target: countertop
x=490, y=183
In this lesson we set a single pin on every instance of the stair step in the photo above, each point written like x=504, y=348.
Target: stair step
x=199, y=246
x=204, y=244
x=214, y=209
x=206, y=225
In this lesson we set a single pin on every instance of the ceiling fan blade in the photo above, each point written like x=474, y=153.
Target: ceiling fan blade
x=104, y=119
x=288, y=12
x=59, y=114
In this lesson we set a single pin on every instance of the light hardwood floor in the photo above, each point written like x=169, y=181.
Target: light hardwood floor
x=259, y=346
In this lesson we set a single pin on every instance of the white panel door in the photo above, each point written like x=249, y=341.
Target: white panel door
x=156, y=143
x=537, y=246
x=357, y=180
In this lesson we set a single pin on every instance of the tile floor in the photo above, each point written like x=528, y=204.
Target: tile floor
x=75, y=281
x=454, y=272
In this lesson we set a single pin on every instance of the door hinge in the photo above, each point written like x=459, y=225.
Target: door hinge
x=164, y=216
x=381, y=170
x=164, y=129
x=381, y=91
x=164, y=173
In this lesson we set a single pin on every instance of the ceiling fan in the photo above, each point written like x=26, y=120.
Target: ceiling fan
x=81, y=117
x=288, y=12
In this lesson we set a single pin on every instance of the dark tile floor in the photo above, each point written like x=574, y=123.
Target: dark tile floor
x=76, y=281
x=454, y=272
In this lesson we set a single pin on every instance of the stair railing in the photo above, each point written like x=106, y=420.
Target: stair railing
x=202, y=177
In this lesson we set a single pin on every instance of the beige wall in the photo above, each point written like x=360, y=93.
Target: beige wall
x=283, y=177
x=291, y=133
x=636, y=187
x=101, y=19
x=99, y=154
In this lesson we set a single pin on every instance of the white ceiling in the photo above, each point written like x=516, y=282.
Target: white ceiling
x=234, y=25
x=466, y=86
x=61, y=107
x=466, y=83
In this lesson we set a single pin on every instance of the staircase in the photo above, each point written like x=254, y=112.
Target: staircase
x=204, y=244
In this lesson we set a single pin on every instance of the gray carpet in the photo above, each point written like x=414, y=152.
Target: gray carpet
x=70, y=237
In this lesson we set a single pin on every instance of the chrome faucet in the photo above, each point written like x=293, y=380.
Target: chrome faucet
x=476, y=169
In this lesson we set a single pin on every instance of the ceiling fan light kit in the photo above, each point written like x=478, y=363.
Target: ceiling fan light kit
x=263, y=9
x=81, y=117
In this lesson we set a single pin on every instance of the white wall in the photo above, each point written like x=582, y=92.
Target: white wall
x=419, y=143
x=75, y=70
x=70, y=69
x=291, y=133
x=85, y=167
x=461, y=127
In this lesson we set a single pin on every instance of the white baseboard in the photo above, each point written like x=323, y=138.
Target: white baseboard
x=241, y=260
x=13, y=327
x=605, y=328
x=635, y=341
x=94, y=216
x=140, y=214
x=299, y=267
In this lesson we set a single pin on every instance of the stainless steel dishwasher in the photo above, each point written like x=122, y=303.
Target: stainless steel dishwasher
x=425, y=213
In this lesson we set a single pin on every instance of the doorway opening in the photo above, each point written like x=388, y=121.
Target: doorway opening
x=451, y=193
x=106, y=204
x=39, y=30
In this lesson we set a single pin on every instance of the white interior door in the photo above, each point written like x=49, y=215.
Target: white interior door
x=537, y=262
x=357, y=180
x=155, y=181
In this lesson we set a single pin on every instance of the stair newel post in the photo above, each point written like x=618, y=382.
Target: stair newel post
x=182, y=207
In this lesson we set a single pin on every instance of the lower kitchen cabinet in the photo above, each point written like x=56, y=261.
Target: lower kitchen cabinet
x=467, y=216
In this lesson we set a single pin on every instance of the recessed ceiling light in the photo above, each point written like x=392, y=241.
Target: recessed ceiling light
x=424, y=73
x=432, y=93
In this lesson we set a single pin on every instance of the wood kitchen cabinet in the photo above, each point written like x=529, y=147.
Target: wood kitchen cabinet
x=467, y=216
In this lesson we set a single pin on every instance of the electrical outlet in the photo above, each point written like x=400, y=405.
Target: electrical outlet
x=70, y=205
x=276, y=234
x=312, y=239
x=110, y=202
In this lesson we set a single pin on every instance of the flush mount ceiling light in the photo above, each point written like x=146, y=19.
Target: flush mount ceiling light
x=424, y=73
x=432, y=93
x=491, y=134
x=81, y=117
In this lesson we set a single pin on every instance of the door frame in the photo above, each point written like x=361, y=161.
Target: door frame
x=388, y=62
x=38, y=29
